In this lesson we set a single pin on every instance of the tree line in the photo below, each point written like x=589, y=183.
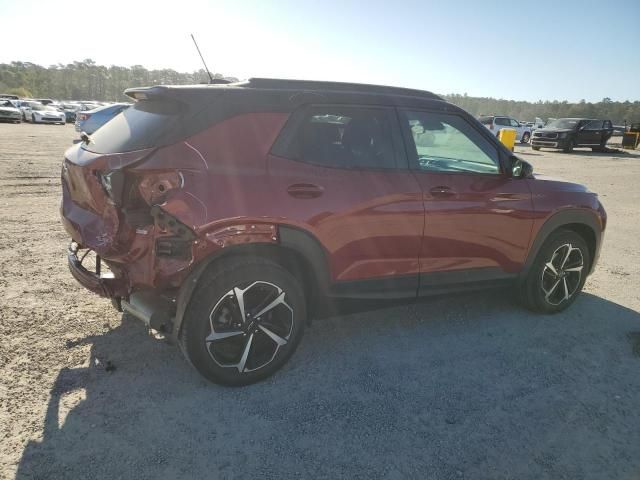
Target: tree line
x=85, y=80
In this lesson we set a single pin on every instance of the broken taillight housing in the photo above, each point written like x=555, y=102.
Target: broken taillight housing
x=153, y=186
x=113, y=184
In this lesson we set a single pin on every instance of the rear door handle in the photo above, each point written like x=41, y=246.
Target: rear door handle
x=442, y=191
x=305, y=190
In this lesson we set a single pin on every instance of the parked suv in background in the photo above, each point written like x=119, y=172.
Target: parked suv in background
x=497, y=123
x=222, y=215
x=567, y=133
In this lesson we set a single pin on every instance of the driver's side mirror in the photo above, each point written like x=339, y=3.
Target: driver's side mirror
x=520, y=168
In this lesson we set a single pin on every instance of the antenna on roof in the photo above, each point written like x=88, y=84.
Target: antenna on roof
x=202, y=58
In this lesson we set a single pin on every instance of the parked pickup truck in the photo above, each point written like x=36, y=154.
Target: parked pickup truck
x=567, y=133
x=495, y=123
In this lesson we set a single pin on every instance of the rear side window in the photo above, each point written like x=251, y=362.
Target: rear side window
x=341, y=137
x=143, y=125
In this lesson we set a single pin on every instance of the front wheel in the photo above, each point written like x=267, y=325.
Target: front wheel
x=244, y=321
x=33, y=118
x=558, y=273
x=535, y=148
x=525, y=137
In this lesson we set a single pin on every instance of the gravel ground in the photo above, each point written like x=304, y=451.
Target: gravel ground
x=470, y=386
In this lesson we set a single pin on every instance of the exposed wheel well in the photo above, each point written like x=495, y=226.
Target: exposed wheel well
x=587, y=233
x=291, y=260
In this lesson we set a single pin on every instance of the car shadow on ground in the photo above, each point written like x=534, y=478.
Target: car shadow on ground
x=583, y=152
x=470, y=386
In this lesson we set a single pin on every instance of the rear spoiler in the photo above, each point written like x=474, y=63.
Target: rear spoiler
x=147, y=93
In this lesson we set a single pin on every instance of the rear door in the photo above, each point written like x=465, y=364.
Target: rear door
x=592, y=134
x=478, y=218
x=341, y=173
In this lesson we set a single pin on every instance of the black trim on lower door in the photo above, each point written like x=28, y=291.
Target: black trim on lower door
x=435, y=283
x=384, y=288
x=412, y=286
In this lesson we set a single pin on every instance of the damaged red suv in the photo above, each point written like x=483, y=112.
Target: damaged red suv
x=221, y=215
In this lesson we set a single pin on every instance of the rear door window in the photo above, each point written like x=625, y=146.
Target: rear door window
x=503, y=122
x=340, y=136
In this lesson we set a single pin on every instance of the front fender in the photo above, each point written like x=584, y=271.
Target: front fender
x=566, y=217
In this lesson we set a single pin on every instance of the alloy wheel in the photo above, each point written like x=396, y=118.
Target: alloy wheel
x=248, y=326
x=562, y=274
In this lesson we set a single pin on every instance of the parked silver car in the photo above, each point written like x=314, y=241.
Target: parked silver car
x=9, y=112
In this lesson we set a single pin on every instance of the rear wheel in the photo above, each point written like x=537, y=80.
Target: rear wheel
x=33, y=118
x=535, y=148
x=244, y=321
x=558, y=273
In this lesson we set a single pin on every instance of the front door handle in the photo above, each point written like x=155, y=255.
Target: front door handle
x=305, y=190
x=442, y=191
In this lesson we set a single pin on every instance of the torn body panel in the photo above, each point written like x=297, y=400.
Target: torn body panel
x=162, y=217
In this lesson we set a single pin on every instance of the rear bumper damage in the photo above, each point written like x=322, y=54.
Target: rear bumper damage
x=155, y=310
x=103, y=284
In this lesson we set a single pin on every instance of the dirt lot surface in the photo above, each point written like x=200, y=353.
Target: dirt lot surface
x=470, y=386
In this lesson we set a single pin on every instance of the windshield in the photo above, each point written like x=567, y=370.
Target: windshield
x=564, y=123
x=6, y=103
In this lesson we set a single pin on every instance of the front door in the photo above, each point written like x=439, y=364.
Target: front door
x=478, y=218
x=517, y=127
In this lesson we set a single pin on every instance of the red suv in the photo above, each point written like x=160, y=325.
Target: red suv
x=222, y=214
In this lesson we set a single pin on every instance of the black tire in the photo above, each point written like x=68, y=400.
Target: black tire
x=525, y=137
x=33, y=118
x=214, y=304
x=569, y=147
x=539, y=291
x=535, y=148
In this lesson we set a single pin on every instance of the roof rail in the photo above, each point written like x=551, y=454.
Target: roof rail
x=284, y=84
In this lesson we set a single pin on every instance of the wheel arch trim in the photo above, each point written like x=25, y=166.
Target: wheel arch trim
x=566, y=218
x=302, y=242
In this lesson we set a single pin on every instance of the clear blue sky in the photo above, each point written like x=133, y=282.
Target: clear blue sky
x=526, y=50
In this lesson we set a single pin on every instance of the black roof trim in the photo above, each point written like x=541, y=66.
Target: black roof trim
x=284, y=84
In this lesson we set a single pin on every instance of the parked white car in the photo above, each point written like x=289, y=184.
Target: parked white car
x=45, y=114
x=25, y=107
x=496, y=123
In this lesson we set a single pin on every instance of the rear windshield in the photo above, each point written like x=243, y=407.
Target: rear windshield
x=143, y=125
